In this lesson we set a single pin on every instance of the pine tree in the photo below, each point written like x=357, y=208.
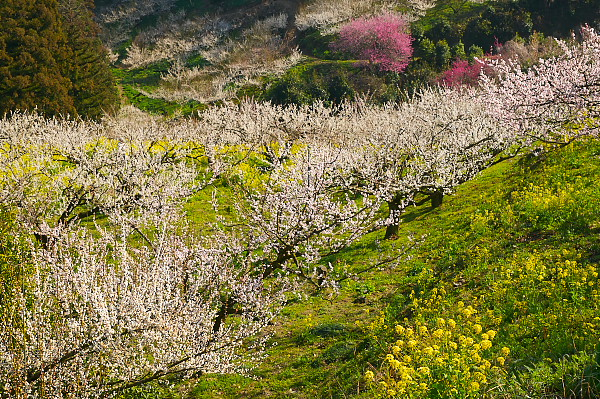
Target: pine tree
x=52, y=60
x=93, y=87
x=31, y=38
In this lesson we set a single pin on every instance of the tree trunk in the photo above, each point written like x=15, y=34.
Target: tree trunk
x=436, y=199
x=395, y=210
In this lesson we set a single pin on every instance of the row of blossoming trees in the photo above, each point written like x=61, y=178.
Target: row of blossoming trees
x=105, y=288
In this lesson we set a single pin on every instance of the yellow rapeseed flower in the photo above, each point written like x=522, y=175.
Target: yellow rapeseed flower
x=486, y=344
x=505, y=351
x=500, y=360
x=477, y=328
x=439, y=333
x=479, y=376
x=468, y=311
x=369, y=376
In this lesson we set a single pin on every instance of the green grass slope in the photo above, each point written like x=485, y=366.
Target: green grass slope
x=511, y=258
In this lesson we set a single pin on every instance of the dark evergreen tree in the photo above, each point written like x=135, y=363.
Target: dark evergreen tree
x=52, y=60
x=31, y=39
x=443, y=55
x=559, y=17
x=93, y=87
x=499, y=22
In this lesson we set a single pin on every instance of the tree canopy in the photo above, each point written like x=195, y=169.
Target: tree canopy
x=382, y=40
x=51, y=59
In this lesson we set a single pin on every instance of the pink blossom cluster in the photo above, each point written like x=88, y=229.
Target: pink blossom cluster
x=462, y=73
x=382, y=40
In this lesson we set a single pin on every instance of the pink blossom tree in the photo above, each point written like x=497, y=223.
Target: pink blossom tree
x=462, y=74
x=382, y=40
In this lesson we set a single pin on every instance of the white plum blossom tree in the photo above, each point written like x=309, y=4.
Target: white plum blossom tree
x=59, y=172
x=94, y=306
x=94, y=316
x=556, y=100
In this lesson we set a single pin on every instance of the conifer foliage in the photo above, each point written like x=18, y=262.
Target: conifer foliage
x=93, y=86
x=30, y=42
x=51, y=60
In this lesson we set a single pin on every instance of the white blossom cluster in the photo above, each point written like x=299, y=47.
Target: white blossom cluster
x=121, y=16
x=176, y=36
x=133, y=297
x=59, y=171
x=208, y=84
x=103, y=315
x=328, y=15
x=557, y=99
x=128, y=11
x=387, y=153
x=261, y=51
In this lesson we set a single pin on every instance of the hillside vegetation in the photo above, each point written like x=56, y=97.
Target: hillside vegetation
x=202, y=52
x=52, y=61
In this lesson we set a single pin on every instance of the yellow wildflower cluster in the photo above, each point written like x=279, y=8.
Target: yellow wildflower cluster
x=453, y=357
x=541, y=197
x=561, y=279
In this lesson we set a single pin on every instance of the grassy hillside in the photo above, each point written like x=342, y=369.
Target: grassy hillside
x=511, y=258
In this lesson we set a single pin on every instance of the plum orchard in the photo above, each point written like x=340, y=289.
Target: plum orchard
x=388, y=153
x=104, y=287
x=97, y=309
